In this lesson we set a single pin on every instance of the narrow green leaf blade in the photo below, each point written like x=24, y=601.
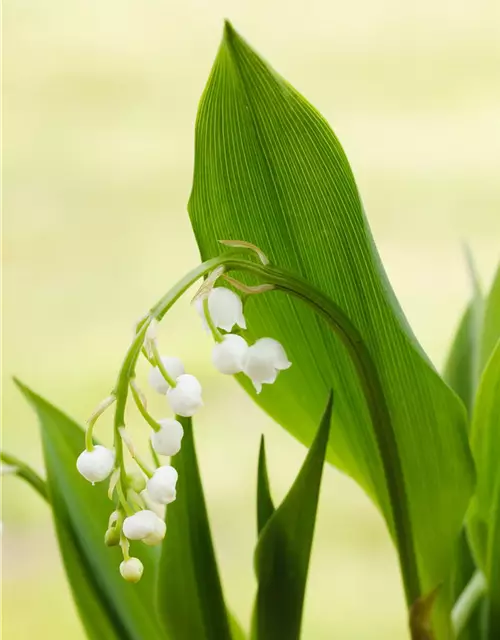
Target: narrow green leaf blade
x=190, y=597
x=81, y=512
x=485, y=442
x=460, y=368
x=491, y=323
x=493, y=559
x=265, y=505
x=284, y=547
x=268, y=170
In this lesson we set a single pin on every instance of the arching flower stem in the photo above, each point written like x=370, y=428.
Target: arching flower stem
x=363, y=363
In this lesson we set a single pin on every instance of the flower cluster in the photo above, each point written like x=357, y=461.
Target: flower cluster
x=261, y=362
x=140, y=495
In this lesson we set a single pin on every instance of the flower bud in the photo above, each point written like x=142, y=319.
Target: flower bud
x=112, y=537
x=161, y=487
x=264, y=360
x=132, y=570
x=185, y=397
x=167, y=441
x=146, y=526
x=229, y=355
x=136, y=481
x=96, y=465
x=225, y=309
x=174, y=368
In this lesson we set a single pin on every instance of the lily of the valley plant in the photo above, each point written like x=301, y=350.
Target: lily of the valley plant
x=292, y=292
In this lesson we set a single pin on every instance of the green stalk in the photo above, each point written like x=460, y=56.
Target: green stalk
x=28, y=474
x=365, y=368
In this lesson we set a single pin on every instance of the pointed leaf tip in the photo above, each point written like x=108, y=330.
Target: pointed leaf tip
x=265, y=504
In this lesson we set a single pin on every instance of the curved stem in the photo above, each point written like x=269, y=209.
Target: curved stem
x=365, y=368
x=136, y=395
x=159, y=363
x=467, y=602
x=24, y=471
x=216, y=334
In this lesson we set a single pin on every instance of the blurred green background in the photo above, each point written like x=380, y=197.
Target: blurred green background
x=99, y=105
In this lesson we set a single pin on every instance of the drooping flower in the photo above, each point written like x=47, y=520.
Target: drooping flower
x=264, y=360
x=96, y=465
x=167, y=441
x=174, y=368
x=161, y=487
x=132, y=570
x=185, y=398
x=225, y=309
x=146, y=526
x=229, y=355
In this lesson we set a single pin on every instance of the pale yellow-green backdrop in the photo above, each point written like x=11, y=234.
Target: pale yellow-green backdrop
x=99, y=105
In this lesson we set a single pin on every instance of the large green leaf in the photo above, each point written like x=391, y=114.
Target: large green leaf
x=269, y=170
x=109, y=606
x=284, y=547
x=190, y=597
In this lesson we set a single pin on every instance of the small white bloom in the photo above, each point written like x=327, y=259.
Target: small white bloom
x=185, y=397
x=146, y=526
x=96, y=465
x=264, y=360
x=174, y=368
x=229, y=355
x=132, y=569
x=167, y=441
x=225, y=308
x=161, y=487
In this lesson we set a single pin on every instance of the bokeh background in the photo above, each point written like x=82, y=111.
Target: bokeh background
x=99, y=103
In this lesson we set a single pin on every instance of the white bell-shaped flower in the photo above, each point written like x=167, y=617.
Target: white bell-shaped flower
x=96, y=465
x=161, y=486
x=185, y=397
x=225, y=308
x=167, y=441
x=264, y=360
x=229, y=355
x=146, y=526
x=174, y=368
x=132, y=570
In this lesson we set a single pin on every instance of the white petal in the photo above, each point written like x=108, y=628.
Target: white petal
x=174, y=368
x=157, y=535
x=185, y=397
x=273, y=350
x=264, y=360
x=96, y=465
x=140, y=525
x=161, y=487
x=167, y=441
x=226, y=309
x=229, y=355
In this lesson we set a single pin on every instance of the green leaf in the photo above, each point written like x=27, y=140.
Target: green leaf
x=485, y=444
x=268, y=170
x=459, y=369
x=493, y=554
x=462, y=371
x=190, y=597
x=284, y=547
x=491, y=323
x=265, y=505
x=108, y=605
